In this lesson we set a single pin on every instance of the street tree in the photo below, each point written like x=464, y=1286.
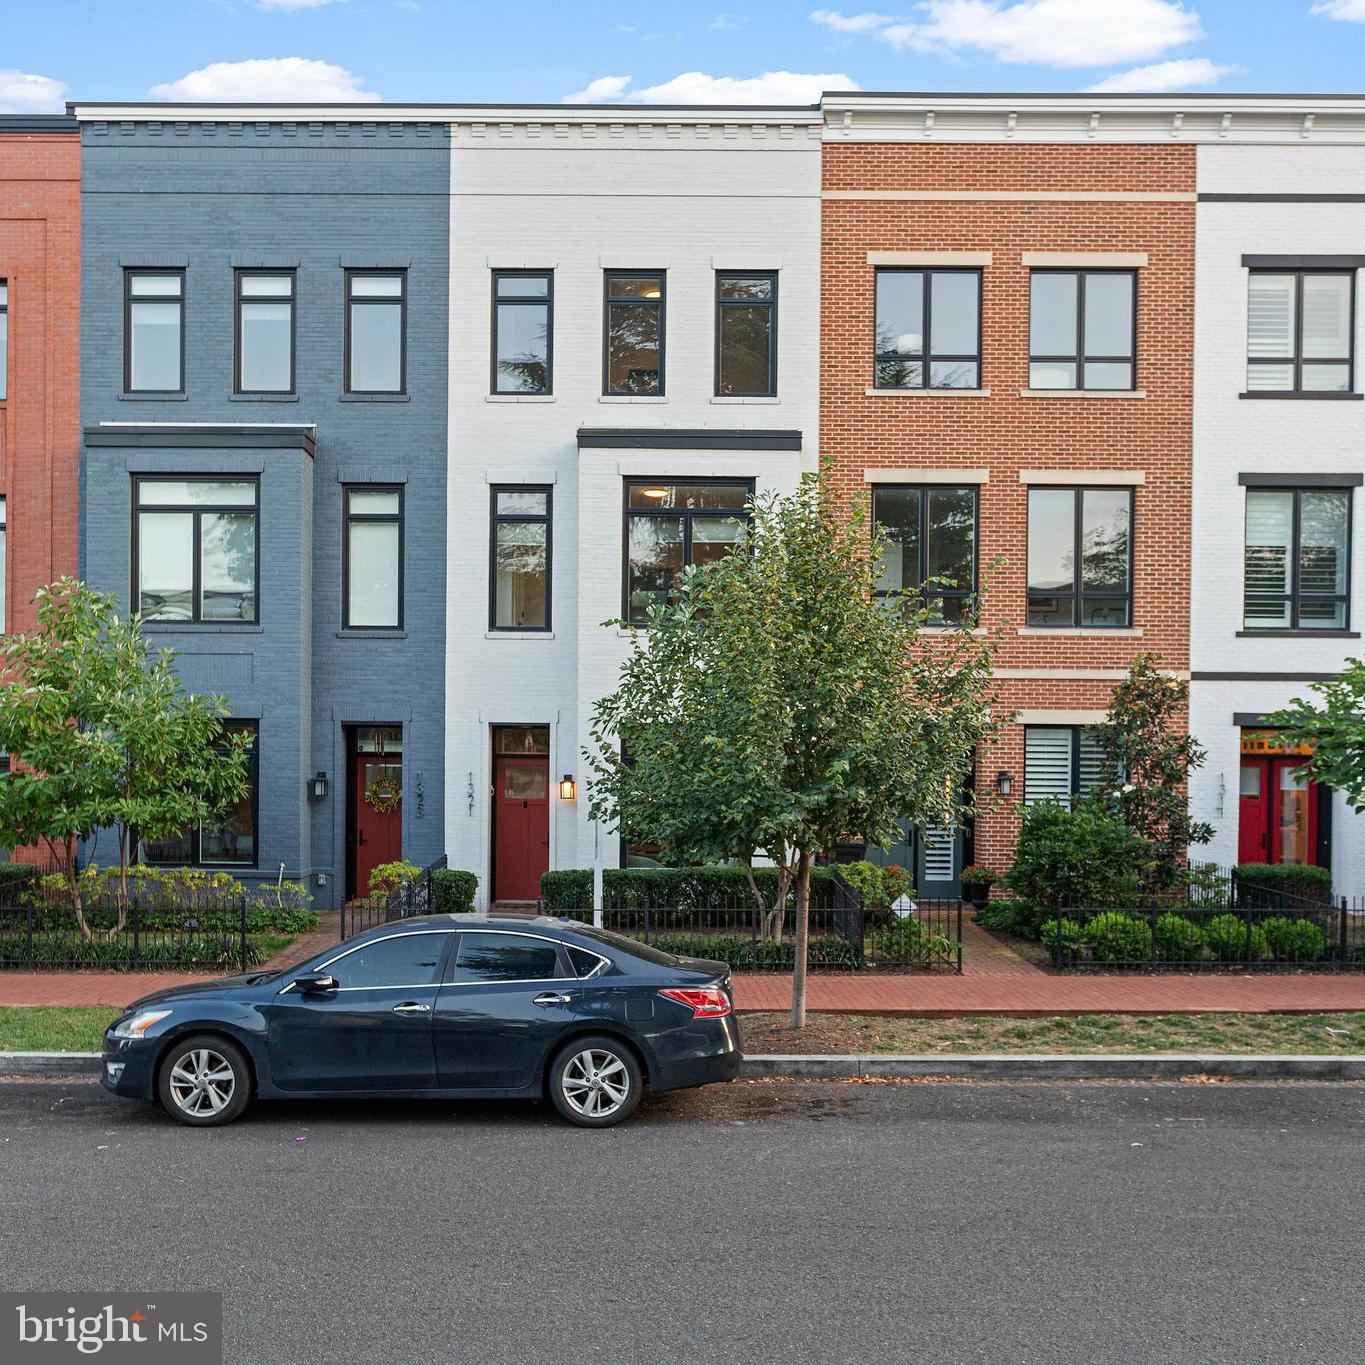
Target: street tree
x=1334, y=728
x=101, y=735
x=776, y=704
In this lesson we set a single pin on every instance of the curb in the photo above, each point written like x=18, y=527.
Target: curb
x=994, y=1066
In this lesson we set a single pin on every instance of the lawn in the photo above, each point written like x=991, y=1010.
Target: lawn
x=863, y=1034
x=54, y=1028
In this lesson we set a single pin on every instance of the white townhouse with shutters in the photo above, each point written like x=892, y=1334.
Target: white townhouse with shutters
x=634, y=344
x=1279, y=454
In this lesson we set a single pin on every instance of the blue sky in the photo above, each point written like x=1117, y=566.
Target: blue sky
x=735, y=50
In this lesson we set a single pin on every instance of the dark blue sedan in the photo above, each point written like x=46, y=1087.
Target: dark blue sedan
x=445, y=1006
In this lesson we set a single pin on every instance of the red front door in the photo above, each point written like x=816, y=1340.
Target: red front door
x=521, y=826
x=378, y=813
x=1253, y=812
x=1277, y=820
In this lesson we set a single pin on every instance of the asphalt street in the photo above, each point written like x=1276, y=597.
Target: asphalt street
x=762, y=1221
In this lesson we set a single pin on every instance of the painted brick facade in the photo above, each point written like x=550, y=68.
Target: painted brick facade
x=956, y=198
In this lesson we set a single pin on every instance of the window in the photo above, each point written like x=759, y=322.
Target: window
x=376, y=331
x=586, y=963
x=520, y=572
x=1300, y=327
x=265, y=332
x=194, y=556
x=227, y=842
x=1298, y=551
x=523, y=331
x=930, y=533
x=506, y=957
x=634, y=341
x=928, y=329
x=1061, y=763
x=672, y=525
x=4, y=340
x=372, y=557
x=1089, y=527
x=746, y=334
x=404, y=960
x=1082, y=329
x=154, y=331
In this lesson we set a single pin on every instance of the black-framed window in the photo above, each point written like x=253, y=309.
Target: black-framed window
x=746, y=333
x=376, y=331
x=4, y=340
x=930, y=533
x=1080, y=557
x=1061, y=763
x=1082, y=329
x=372, y=557
x=265, y=332
x=1301, y=331
x=633, y=331
x=928, y=329
x=154, y=331
x=672, y=523
x=194, y=548
x=519, y=557
x=229, y=841
x=523, y=331
x=1298, y=559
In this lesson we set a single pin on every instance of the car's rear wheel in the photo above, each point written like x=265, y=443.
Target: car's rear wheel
x=204, y=1080
x=596, y=1082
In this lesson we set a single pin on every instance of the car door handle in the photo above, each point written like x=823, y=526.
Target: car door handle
x=412, y=1008
x=552, y=998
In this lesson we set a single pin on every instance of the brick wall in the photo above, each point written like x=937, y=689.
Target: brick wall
x=1005, y=432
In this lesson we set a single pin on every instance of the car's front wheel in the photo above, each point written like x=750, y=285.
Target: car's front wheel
x=595, y=1082
x=204, y=1080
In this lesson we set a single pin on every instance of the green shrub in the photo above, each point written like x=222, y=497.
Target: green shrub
x=1064, y=935
x=1081, y=856
x=680, y=888
x=747, y=955
x=1294, y=940
x=452, y=890
x=1116, y=937
x=1227, y=939
x=1179, y=939
x=877, y=886
x=208, y=952
x=1013, y=915
x=570, y=889
x=910, y=941
x=13, y=875
x=1298, y=879
x=388, y=877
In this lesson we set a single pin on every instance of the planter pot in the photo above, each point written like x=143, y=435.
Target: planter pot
x=976, y=894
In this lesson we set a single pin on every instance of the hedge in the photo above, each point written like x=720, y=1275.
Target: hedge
x=15, y=874
x=680, y=888
x=190, y=954
x=260, y=919
x=1300, y=879
x=758, y=954
x=452, y=890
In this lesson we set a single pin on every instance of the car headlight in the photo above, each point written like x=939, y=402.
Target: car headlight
x=138, y=1024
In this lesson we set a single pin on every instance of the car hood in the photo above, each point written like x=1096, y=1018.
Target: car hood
x=212, y=986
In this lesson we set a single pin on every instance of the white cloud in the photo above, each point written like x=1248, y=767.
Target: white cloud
x=867, y=22
x=292, y=79
x=1044, y=32
x=1353, y=11
x=295, y=4
x=1182, y=74
x=23, y=93
x=696, y=87
x=727, y=22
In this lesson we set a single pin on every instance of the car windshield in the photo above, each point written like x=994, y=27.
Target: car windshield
x=627, y=945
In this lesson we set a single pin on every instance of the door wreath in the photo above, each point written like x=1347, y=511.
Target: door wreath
x=384, y=793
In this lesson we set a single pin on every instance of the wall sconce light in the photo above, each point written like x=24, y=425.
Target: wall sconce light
x=317, y=787
x=1004, y=783
x=568, y=788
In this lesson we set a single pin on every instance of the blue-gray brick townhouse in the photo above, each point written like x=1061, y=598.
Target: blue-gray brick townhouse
x=263, y=396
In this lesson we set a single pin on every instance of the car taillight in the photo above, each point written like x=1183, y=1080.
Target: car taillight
x=705, y=1002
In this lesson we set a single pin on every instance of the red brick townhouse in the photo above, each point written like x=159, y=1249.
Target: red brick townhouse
x=40, y=159
x=1007, y=315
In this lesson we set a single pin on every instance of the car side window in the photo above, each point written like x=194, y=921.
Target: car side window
x=405, y=960
x=505, y=957
x=584, y=962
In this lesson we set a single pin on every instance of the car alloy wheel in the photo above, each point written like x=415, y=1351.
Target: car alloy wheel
x=204, y=1080
x=595, y=1083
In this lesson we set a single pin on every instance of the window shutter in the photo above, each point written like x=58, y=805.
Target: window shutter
x=1270, y=316
x=1092, y=764
x=1047, y=764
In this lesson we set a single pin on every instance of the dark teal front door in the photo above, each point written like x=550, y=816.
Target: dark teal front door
x=931, y=855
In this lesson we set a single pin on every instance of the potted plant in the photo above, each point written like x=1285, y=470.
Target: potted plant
x=976, y=884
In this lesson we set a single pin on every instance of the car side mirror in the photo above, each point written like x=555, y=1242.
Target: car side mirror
x=316, y=983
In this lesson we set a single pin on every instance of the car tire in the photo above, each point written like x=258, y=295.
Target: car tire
x=204, y=1080
x=595, y=1082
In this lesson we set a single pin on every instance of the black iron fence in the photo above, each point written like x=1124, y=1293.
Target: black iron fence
x=846, y=937
x=414, y=897
x=1256, y=930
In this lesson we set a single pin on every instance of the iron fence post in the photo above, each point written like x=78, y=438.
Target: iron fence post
x=241, y=930
x=648, y=927
x=1247, y=912
x=1342, y=931
x=137, y=937
x=29, y=947
x=959, y=937
x=1151, y=926
x=1058, y=936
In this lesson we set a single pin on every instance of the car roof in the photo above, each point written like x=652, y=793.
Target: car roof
x=477, y=920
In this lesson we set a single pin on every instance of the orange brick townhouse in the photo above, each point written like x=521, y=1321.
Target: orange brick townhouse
x=1007, y=313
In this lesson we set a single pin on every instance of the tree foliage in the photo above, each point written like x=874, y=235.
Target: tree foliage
x=777, y=705
x=1335, y=728
x=100, y=735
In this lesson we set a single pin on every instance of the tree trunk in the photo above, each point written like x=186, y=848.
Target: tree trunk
x=64, y=854
x=802, y=942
